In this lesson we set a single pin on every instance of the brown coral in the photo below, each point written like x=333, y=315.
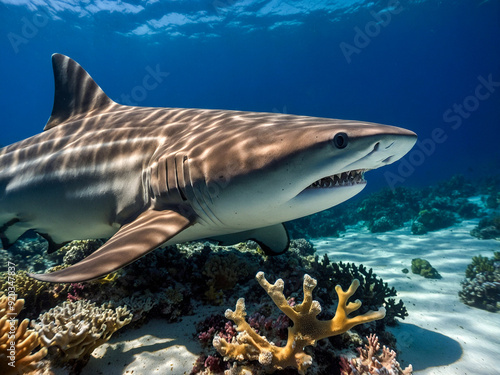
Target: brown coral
x=371, y=361
x=224, y=270
x=307, y=329
x=37, y=294
x=17, y=342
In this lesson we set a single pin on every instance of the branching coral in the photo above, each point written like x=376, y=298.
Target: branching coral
x=373, y=291
x=373, y=362
x=17, y=342
x=77, y=328
x=481, y=288
x=480, y=264
x=306, y=330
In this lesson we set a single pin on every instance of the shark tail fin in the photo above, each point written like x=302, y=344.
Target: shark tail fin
x=76, y=93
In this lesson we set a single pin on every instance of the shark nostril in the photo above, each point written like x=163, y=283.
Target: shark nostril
x=387, y=160
x=389, y=145
x=376, y=147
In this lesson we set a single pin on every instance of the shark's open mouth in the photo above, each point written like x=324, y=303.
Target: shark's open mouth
x=348, y=178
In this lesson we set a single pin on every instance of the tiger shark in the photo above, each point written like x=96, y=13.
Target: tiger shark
x=146, y=177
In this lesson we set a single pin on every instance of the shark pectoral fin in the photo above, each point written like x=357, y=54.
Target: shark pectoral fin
x=150, y=230
x=273, y=240
x=52, y=245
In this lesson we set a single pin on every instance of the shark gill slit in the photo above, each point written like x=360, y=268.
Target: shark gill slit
x=178, y=184
x=200, y=192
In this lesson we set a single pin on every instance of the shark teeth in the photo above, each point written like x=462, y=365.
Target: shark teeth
x=348, y=178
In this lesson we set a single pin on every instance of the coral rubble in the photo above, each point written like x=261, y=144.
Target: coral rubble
x=306, y=330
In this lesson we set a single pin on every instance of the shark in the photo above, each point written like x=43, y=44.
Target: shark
x=145, y=177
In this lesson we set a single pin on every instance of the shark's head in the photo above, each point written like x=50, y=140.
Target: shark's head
x=281, y=167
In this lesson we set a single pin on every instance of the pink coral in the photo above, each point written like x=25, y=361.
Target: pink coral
x=215, y=325
x=373, y=362
x=76, y=292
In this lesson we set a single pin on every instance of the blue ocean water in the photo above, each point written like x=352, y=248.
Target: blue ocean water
x=429, y=66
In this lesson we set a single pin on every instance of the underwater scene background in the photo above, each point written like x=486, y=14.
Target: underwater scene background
x=422, y=238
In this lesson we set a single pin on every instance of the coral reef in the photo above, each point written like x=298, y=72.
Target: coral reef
x=77, y=250
x=77, y=328
x=167, y=282
x=481, y=264
x=389, y=209
x=429, y=209
x=29, y=253
x=223, y=271
x=488, y=228
x=306, y=330
x=38, y=295
x=372, y=361
x=423, y=268
x=168, y=302
x=481, y=288
x=328, y=223
x=208, y=365
x=432, y=219
x=17, y=342
x=493, y=200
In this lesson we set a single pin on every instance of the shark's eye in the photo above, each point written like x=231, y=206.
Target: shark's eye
x=340, y=140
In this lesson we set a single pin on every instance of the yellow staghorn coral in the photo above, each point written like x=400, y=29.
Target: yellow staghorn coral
x=306, y=330
x=17, y=342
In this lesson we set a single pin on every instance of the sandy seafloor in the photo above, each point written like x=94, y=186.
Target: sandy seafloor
x=441, y=335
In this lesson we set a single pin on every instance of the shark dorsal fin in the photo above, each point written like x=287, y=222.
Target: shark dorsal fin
x=76, y=93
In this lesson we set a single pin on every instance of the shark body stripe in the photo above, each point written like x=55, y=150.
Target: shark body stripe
x=102, y=169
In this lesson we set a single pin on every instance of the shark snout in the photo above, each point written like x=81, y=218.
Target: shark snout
x=383, y=148
x=393, y=147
